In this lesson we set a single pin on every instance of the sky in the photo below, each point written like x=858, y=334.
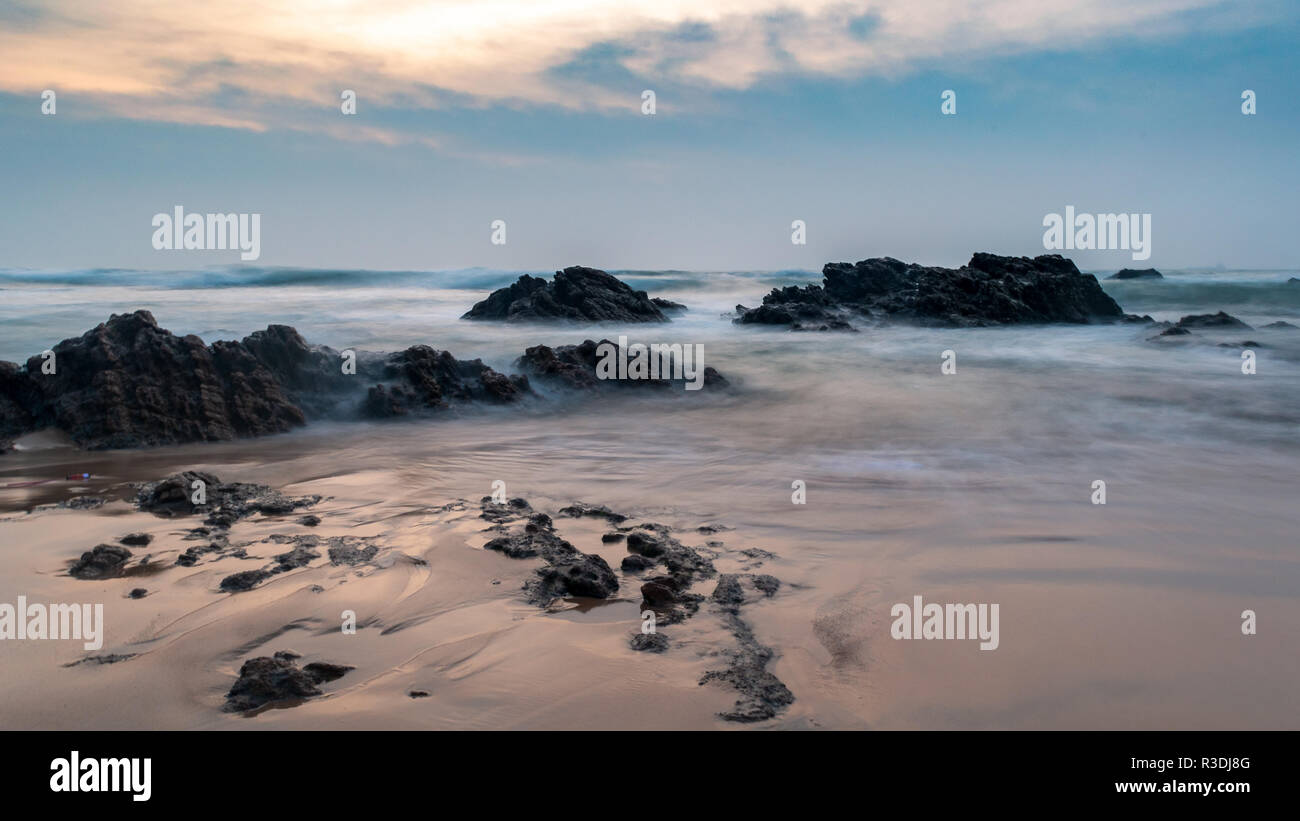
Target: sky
x=532, y=113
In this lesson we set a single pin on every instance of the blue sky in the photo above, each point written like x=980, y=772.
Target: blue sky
x=755, y=127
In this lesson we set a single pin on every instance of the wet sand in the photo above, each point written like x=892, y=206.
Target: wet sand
x=1118, y=616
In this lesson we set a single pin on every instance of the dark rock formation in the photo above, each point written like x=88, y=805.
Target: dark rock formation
x=224, y=502
x=577, y=294
x=269, y=680
x=574, y=367
x=567, y=572
x=577, y=510
x=988, y=290
x=1137, y=273
x=1280, y=325
x=762, y=695
x=128, y=383
x=421, y=378
x=1212, y=321
x=100, y=562
x=136, y=539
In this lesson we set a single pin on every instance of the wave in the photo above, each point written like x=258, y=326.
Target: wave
x=1250, y=293
x=246, y=276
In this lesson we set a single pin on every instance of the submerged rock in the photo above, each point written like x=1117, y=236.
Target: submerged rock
x=575, y=367
x=1212, y=321
x=1137, y=273
x=422, y=379
x=988, y=290
x=577, y=294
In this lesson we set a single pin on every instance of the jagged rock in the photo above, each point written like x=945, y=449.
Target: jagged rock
x=422, y=378
x=100, y=562
x=128, y=383
x=267, y=680
x=576, y=293
x=988, y=290
x=568, y=571
x=1219, y=320
x=1137, y=273
x=574, y=366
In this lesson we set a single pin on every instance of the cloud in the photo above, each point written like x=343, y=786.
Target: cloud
x=260, y=64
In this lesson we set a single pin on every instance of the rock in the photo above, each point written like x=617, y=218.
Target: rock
x=578, y=574
x=578, y=510
x=191, y=555
x=1137, y=273
x=244, y=580
x=310, y=520
x=1219, y=320
x=1245, y=344
x=128, y=383
x=139, y=593
x=1175, y=331
x=667, y=305
x=418, y=694
x=136, y=539
x=100, y=562
x=574, y=367
x=568, y=571
x=1280, y=325
x=988, y=290
x=577, y=294
x=658, y=594
x=649, y=642
x=266, y=680
x=762, y=694
x=301, y=556
x=347, y=552
x=635, y=563
x=225, y=502
x=424, y=379
x=610, y=538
